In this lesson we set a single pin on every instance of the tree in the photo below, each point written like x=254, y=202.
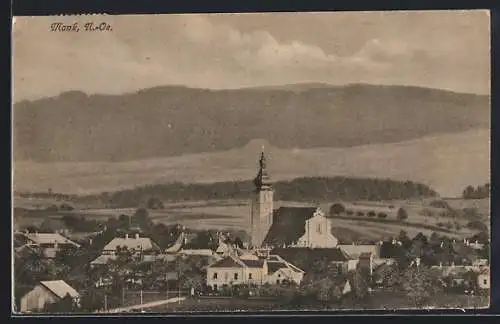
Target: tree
x=389, y=276
x=196, y=282
x=141, y=218
x=403, y=237
x=69, y=255
x=420, y=283
x=402, y=214
x=154, y=203
x=468, y=192
x=64, y=305
x=92, y=300
x=360, y=284
x=238, y=242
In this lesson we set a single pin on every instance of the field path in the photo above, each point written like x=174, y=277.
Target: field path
x=147, y=305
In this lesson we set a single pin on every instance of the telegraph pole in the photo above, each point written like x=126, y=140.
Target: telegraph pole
x=166, y=277
x=178, y=282
x=105, y=303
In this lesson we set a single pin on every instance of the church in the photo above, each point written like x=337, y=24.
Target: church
x=285, y=226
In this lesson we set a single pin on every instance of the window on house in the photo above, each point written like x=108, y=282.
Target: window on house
x=279, y=275
x=236, y=276
x=278, y=282
x=485, y=281
x=215, y=275
x=249, y=276
x=318, y=229
x=226, y=276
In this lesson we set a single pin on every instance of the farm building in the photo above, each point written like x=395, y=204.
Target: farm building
x=483, y=278
x=143, y=247
x=250, y=269
x=47, y=292
x=49, y=243
x=357, y=209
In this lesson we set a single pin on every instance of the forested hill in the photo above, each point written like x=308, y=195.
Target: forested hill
x=172, y=121
x=301, y=189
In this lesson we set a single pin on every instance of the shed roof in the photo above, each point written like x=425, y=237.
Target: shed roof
x=306, y=257
x=49, y=238
x=136, y=243
x=355, y=251
x=60, y=288
x=253, y=263
x=228, y=262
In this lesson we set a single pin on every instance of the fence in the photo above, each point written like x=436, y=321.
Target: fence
x=136, y=297
x=131, y=298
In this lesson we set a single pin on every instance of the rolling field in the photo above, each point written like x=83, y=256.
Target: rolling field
x=442, y=161
x=234, y=215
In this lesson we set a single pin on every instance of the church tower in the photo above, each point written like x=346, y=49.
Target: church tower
x=262, y=205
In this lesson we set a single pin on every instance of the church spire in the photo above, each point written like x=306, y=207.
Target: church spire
x=262, y=180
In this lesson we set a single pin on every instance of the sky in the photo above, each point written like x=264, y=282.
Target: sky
x=438, y=49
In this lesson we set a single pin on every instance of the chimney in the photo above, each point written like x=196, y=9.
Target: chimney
x=126, y=236
x=136, y=235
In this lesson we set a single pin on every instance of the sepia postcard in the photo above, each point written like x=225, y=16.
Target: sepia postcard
x=251, y=162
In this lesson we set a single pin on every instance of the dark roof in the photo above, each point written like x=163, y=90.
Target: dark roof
x=464, y=250
x=365, y=255
x=253, y=263
x=273, y=266
x=227, y=262
x=304, y=258
x=288, y=225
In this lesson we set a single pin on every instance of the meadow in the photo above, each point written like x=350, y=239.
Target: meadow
x=234, y=215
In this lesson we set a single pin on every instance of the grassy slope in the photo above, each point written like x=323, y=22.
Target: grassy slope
x=441, y=161
x=234, y=215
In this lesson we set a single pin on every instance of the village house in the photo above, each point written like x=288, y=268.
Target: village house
x=483, y=278
x=234, y=271
x=47, y=292
x=280, y=270
x=250, y=269
x=142, y=247
x=207, y=254
x=48, y=243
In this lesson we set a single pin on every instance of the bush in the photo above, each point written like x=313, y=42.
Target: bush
x=447, y=225
x=402, y=214
x=477, y=225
